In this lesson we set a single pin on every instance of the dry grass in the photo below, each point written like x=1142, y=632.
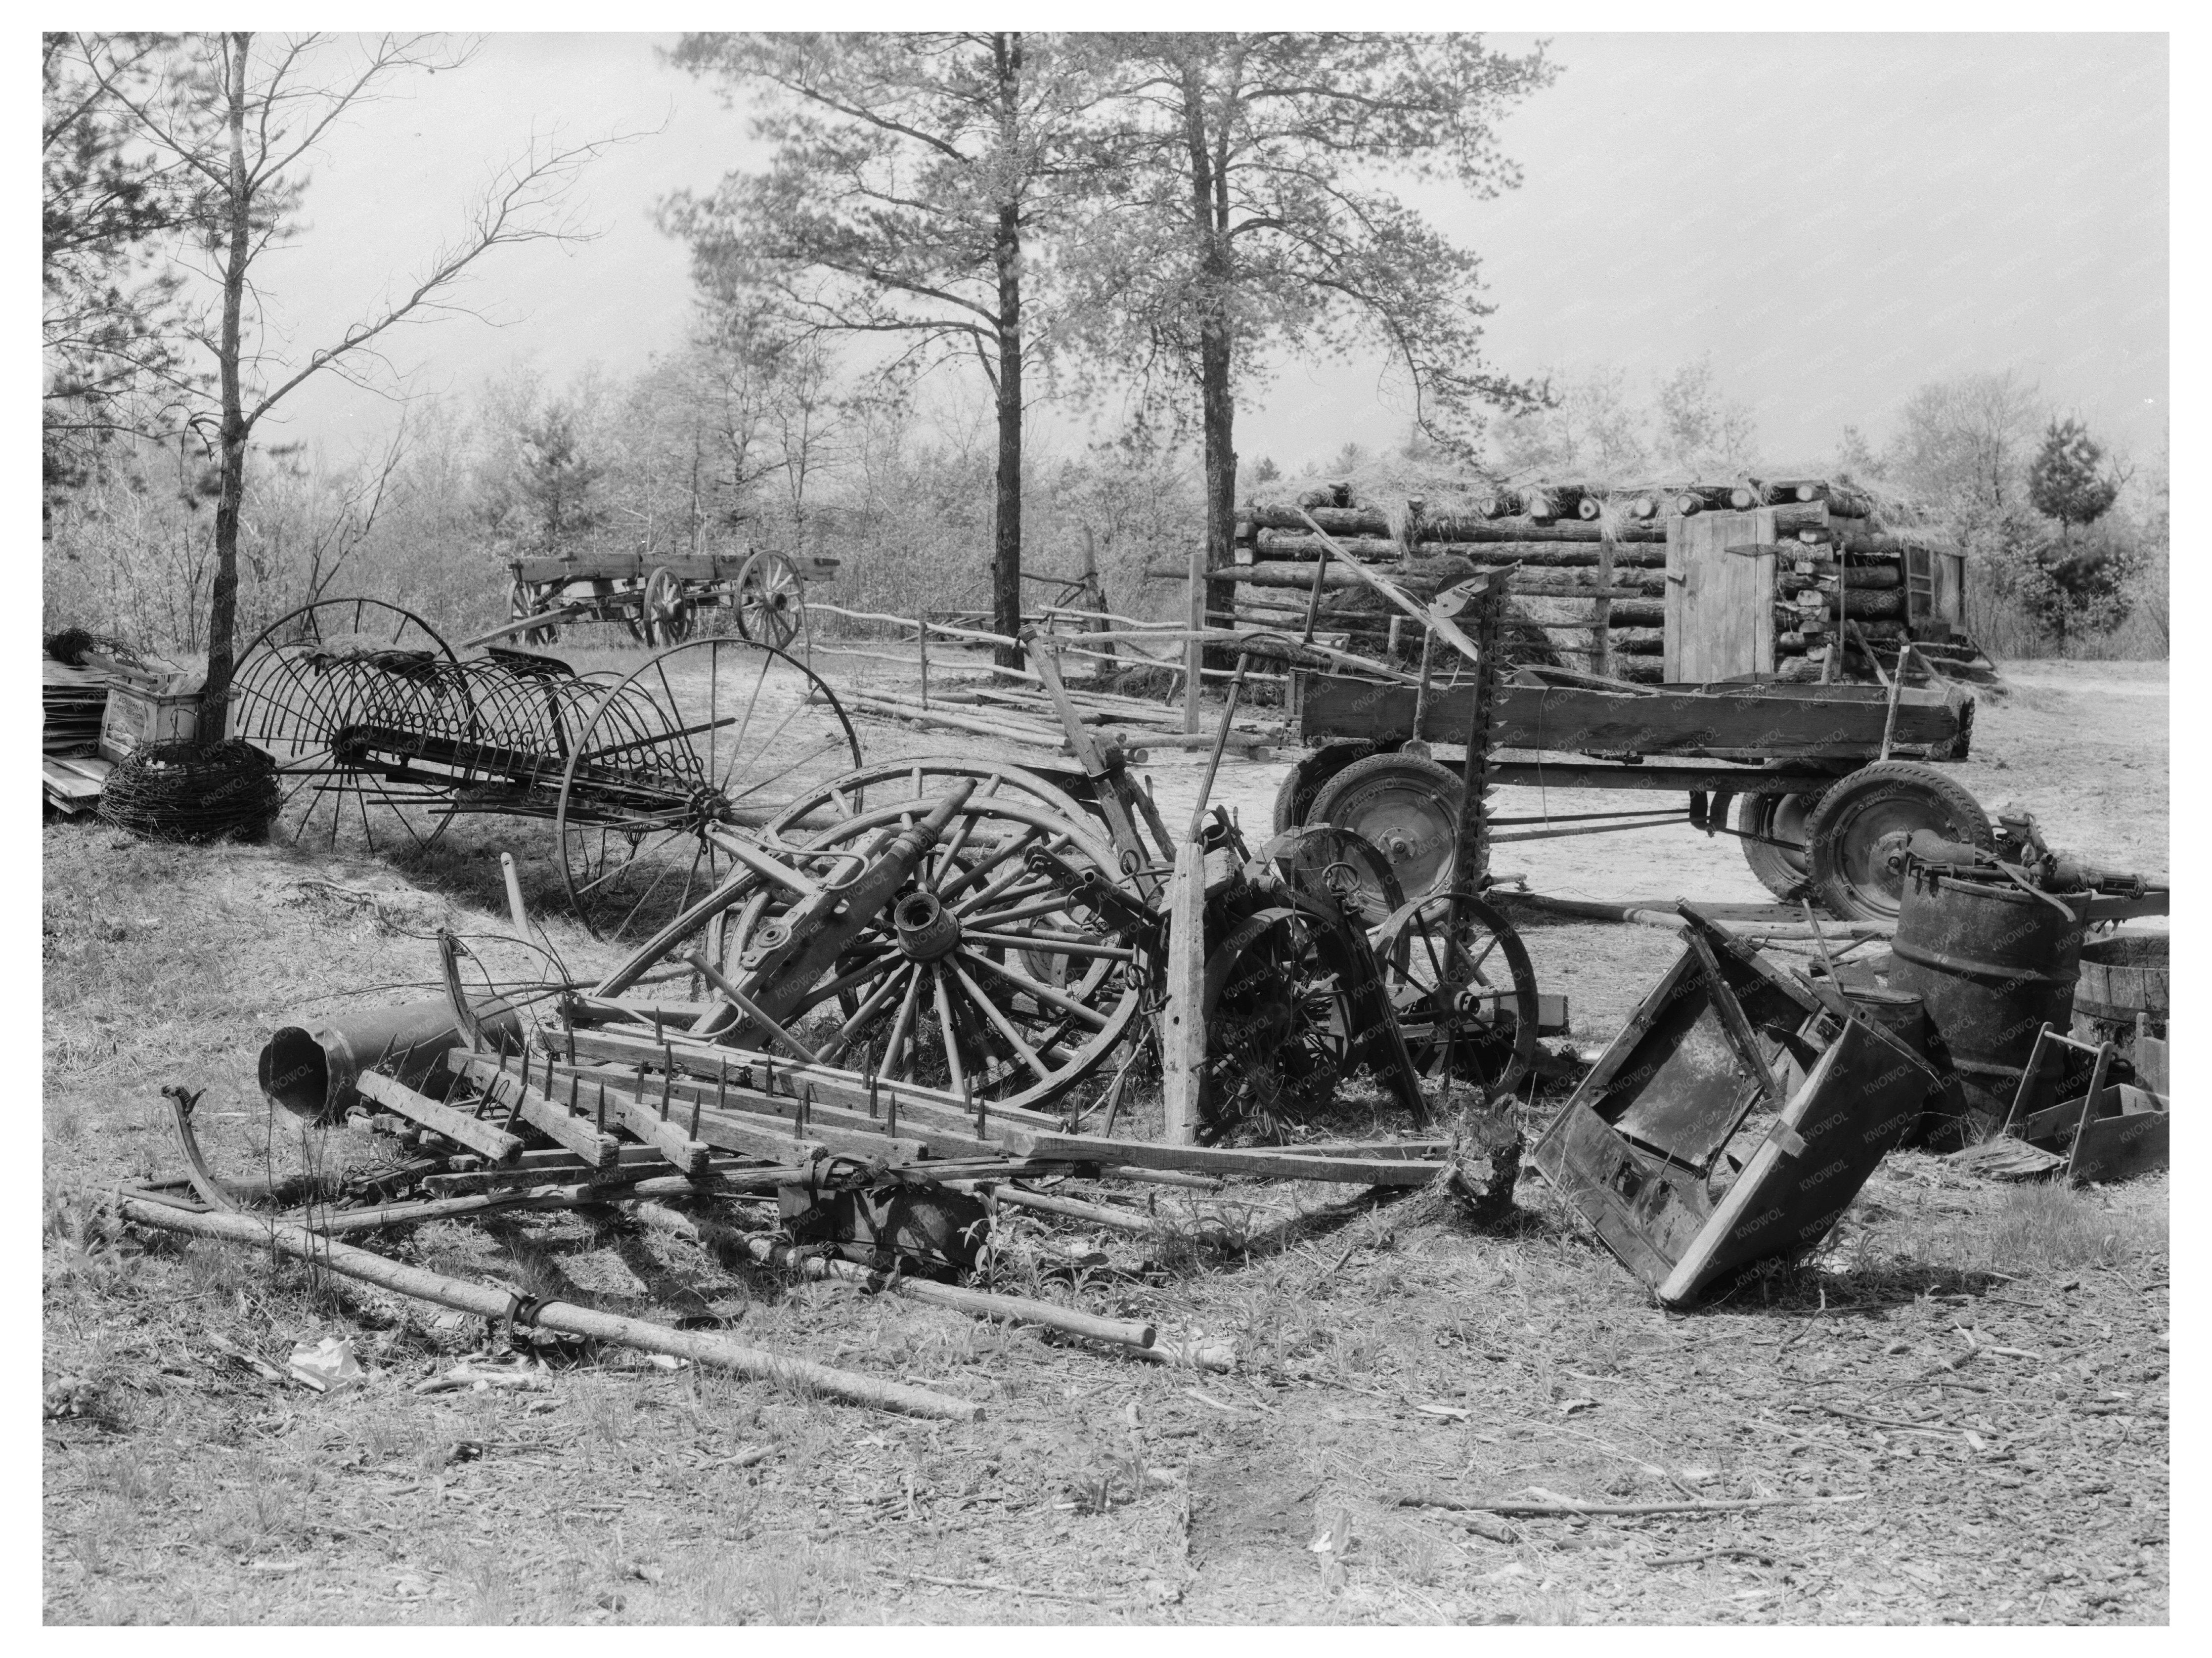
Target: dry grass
x=1387, y=1348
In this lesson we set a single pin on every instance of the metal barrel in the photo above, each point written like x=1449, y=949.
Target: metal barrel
x=1943, y=1122
x=1992, y=964
x=312, y=1071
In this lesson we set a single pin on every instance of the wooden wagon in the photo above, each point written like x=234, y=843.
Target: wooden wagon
x=660, y=600
x=1827, y=781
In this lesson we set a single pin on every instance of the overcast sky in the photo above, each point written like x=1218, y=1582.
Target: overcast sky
x=1834, y=218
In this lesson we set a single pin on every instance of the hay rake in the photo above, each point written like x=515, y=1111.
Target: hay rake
x=362, y=705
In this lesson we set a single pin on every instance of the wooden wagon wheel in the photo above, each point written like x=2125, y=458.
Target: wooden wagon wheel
x=1466, y=992
x=716, y=733
x=526, y=598
x=982, y=977
x=771, y=599
x=667, y=614
x=917, y=779
x=313, y=678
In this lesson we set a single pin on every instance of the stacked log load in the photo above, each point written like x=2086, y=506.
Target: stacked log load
x=1590, y=584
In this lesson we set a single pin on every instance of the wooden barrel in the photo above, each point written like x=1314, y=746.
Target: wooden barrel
x=2121, y=976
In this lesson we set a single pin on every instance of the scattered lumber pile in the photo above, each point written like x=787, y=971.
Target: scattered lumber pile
x=85, y=729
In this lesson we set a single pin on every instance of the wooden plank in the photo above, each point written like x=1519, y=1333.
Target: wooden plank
x=1836, y=721
x=1428, y=615
x=548, y=1117
x=67, y=785
x=1182, y=1017
x=1275, y=1164
x=486, y=1139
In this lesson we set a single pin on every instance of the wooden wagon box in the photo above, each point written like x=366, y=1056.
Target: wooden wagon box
x=1761, y=721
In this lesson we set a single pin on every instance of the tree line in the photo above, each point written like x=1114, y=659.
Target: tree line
x=950, y=231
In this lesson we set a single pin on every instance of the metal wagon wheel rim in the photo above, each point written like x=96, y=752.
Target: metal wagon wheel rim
x=710, y=735
x=1476, y=978
x=1029, y=969
x=770, y=599
x=292, y=708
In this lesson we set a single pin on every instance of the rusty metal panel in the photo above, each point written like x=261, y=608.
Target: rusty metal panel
x=1646, y=1211
x=1858, y=1103
x=1673, y=1081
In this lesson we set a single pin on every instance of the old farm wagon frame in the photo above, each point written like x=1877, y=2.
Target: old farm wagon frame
x=660, y=600
x=1828, y=780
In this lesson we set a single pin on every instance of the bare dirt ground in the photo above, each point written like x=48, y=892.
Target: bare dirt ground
x=1965, y=1396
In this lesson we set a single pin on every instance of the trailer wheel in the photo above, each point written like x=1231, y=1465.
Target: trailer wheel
x=1406, y=807
x=1857, y=834
x=1783, y=871
x=1303, y=784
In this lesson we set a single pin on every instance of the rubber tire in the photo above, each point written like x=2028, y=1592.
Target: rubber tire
x=1787, y=880
x=1441, y=784
x=1948, y=807
x=1309, y=777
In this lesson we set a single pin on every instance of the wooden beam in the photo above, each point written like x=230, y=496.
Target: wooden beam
x=547, y=1116
x=486, y=1140
x=1183, y=1019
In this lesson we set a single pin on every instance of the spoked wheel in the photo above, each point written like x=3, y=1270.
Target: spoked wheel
x=1406, y=807
x=1325, y=860
x=523, y=599
x=1465, y=991
x=720, y=733
x=1280, y=1028
x=896, y=781
x=982, y=976
x=771, y=600
x=667, y=613
x=1858, y=832
x=310, y=686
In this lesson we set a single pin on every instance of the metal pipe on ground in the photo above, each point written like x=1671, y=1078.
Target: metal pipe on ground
x=311, y=1070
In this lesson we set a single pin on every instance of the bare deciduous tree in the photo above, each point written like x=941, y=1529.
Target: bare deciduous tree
x=245, y=114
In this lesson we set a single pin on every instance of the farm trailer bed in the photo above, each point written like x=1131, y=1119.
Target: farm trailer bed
x=1825, y=780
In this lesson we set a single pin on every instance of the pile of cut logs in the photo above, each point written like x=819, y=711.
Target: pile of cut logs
x=1574, y=543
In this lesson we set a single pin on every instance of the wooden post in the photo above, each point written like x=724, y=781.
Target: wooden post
x=1183, y=1020
x=921, y=632
x=1602, y=611
x=1193, y=653
x=514, y=909
x=1313, y=596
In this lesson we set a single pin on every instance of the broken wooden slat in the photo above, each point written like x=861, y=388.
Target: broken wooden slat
x=486, y=1139
x=550, y=1117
